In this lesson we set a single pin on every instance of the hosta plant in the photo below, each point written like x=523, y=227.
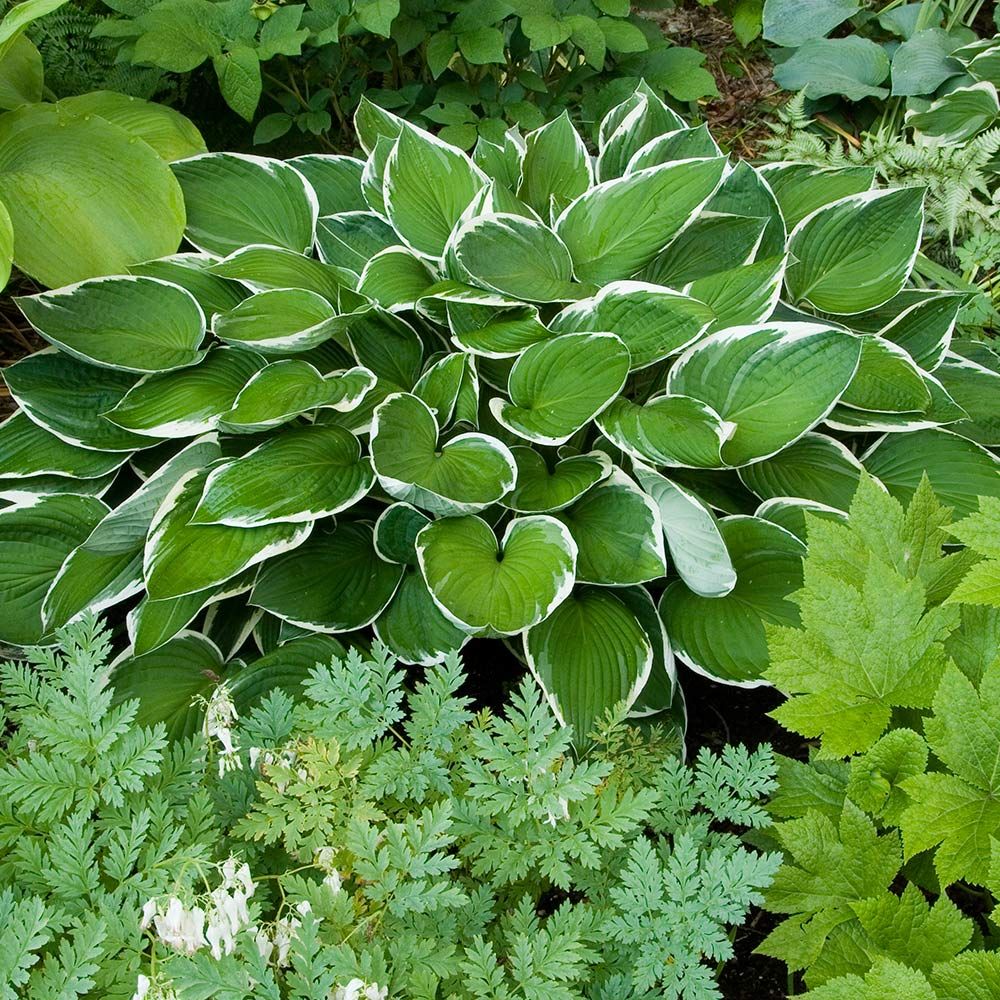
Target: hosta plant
x=576, y=403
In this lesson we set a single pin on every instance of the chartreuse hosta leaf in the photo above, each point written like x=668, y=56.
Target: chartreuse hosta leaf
x=300, y=475
x=557, y=386
x=697, y=549
x=618, y=533
x=428, y=185
x=234, y=200
x=284, y=389
x=128, y=323
x=774, y=382
x=35, y=538
x=335, y=582
x=653, y=322
x=461, y=476
x=855, y=253
x=28, y=451
x=187, y=401
x=106, y=567
x=278, y=321
x=506, y=586
x=616, y=228
x=724, y=637
x=589, y=655
x=174, y=563
x=542, y=489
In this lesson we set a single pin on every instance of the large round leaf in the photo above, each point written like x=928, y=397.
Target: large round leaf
x=541, y=489
x=300, y=475
x=651, y=321
x=506, y=587
x=589, y=655
x=852, y=66
x=696, y=545
x=959, y=470
x=559, y=385
x=856, y=253
x=84, y=196
x=462, y=476
x=234, y=200
x=128, y=323
x=336, y=582
x=618, y=534
x=35, y=538
x=182, y=558
x=723, y=637
x=278, y=321
x=774, y=381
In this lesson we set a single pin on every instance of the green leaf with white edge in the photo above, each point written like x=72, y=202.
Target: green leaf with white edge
x=815, y=467
x=661, y=692
x=26, y=489
x=856, y=253
x=396, y=533
x=234, y=200
x=441, y=383
x=173, y=561
x=505, y=334
x=681, y=144
x=723, y=638
x=959, y=115
x=712, y=243
x=887, y=380
x=653, y=322
x=126, y=205
x=793, y=514
x=171, y=684
x=508, y=586
x=68, y=398
x=853, y=67
x=923, y=62
x=959, y=470
x=265, y=267
x=802, y=188
x=742, y=295
x=697, y=549
x=188, y=401
x=171, y=135
x=517, y=257
x=35, y=538
x=775, y=382
x=395, y=279
x=27, y=451
x=191, y=272
x=387, y=345
x=300, y=475
x=746, y=193
x=414, y=628
x=558, y=386
x=278, y=321
x=555, y=163
x=618, y=534
x=335, y=179
x=924, y=329
x=943, y=410
x=349, y=240
x=428, y=185
x=589, y=655
x=461, y=476
x=616, y=228
x=542, y=489
x=647, y=121
x=792, y=22
x=128, y=323
x=283, y=390
x=643, y=93
x=106, y=568
x=6, y=245
x=668, y=430
x=299, y=587
x=976, y=389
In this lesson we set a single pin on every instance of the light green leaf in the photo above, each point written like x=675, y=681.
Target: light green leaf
x=20, y=16
x=22, y=75
x=924, y=328
x=711, y=244
x=238, y=70
x=680, y=144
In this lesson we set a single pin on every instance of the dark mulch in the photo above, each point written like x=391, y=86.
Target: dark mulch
x=17, y=339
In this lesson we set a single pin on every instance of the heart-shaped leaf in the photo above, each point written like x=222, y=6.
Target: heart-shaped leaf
x=541, y=489
x=506, y=587
x=557, y=386
x=299, y=476
x=466, y=474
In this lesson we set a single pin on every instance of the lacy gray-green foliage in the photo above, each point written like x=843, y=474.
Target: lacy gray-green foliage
x=899, y=680
x=395, y=839
x=494, y=392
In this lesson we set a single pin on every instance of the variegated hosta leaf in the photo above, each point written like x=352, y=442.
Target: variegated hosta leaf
x=542, y=489
x=591, y=654
x=506, y=586
x=461, y=476
x=924, y=328
x=774, y=382
x=335, y=179
x=801, y=188
x=192, y=272
x=28, y=451
x=743, y=295
x=557, y=386
x=128, y=323
x=396, y=533
x=707, y=246
x=555, y=165
x=723, y=637
x=278, y=321
x=266, y=267
x=975, y=387
x=959, y=114
x=395, y=279
x=300, y=475
x=887, y=380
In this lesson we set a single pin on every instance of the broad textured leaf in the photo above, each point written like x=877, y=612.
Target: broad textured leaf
x=712, y=243
x=395, y=279
x=192, y=272
x=792, y=22
x=335, y=179
x=741, y=295
x=852, y=66
x=264, y=267
x=555, y=163
x=976, y=389
x=922, y=63
x=396, y=533
x=541, y=488
x=801, y=188
x=887, y=380
x=278, y=321
x=959, y=115
x=28, y=451
x=924, y=328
